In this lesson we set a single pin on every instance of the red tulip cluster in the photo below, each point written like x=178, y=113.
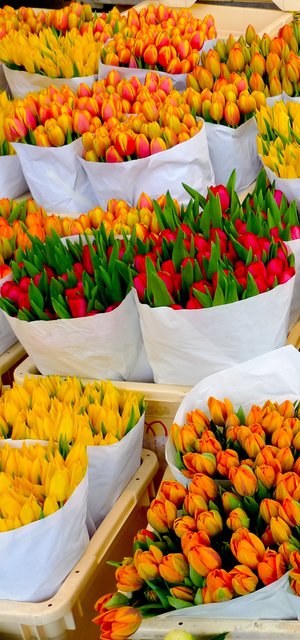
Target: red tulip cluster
x=160, y=38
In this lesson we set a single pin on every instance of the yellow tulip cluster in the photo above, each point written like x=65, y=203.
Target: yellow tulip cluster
x=67, y=413
x=6, y=109
x=278, y=141
x=35, y=481
x=71, y=55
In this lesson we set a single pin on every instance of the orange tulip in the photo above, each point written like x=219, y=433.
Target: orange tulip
x=231, y=501
x=226, y=460
x=174, y=492
x=266, y=475
x=174, y=567
x=285, y=459
x=161, y=515
x=272, y=567
x=208, y=443
x=194, y=504
x=286, y=549
x=120, y=623
x=289, y=511
x=199, y=463
x=199, y=420
x=219, y=410
x=204, y=559
x=127, y=578
x=246, y=547
x=243, y=480
x=182, y=593
x=243, y=580
x=282, y=437
x=184, y=438
x=211, y=522
x=219, y=584
x=204, y=486
x=268, y=508
x=237, y=518
x=280, y=530
x=147, y=562
x=232, y=115
x=194, y=539
x=183, y=525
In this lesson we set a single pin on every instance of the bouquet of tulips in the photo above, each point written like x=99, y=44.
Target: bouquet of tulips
x=108, y=421
x=43, y=510
x=83, y=289
x=126, y=148
x=27, y=19
x=210, y=544
x=12, y=181
x=158, y=38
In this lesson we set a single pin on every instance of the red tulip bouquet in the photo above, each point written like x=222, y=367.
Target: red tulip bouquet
x=211, y=297
x=76, y=298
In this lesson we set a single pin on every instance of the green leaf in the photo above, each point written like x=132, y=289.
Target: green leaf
x=179, y=250
x=177, y=603
x=219, y=297
x=156, y=288
x=251, y=289
x=8, y=307
x=232, y=293
x=161, y=593
x=31, y=269
x=56, y=289
x=17, y=212
x=197, y=580
x=241, y=415
x=60, y=309
x=195, y=194
x=204, y=298
x=214, y=258
x=35, y=296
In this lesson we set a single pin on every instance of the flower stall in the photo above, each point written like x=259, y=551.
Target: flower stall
x=149, y=322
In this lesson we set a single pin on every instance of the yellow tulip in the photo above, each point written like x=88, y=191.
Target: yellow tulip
x=50, y=506
x=59, y=485
x=26, y=514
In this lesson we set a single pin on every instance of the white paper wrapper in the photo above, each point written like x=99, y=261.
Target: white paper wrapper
x=12, y=180
x=22, y=82
x=282, y=96
x=234, y=149
x=272, y=376
x=186, y=162
x=269, y=603
x=36, y=559
x=185, y=346
x=294, y=246
x=106, y=345
x=7, y=336
x=178, y=79
x=110, y=469
x=55, y=178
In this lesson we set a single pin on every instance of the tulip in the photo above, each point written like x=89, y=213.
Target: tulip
x=184, y=438
x=183, y=525
x=220, y=410
x=200, y=463
x=226, y=460
x=174, y=492
x=280, y=530
x=204, y=559
x=219, y=585
x=194, y=504
x=204, y=486
x=269, y=508
x=210, y=522
x=243, y=480
x=266, y=475
x=157, y=145
x=199, y=419
x=193, y=539
x=125, y=143
x=119, y=623
x=243, y=580
x=237, y=518
x=271, y=567
x=147, y=562
x=173, y=567
x=231, y=114
x=230, y=501
x=246, y=547
x=127, y=578
x=289, y=511
x=285, y=458
x=161, y=515
x=182, y=593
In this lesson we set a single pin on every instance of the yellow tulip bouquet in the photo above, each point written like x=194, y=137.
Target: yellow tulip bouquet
x=99, y=416
x=43, y=509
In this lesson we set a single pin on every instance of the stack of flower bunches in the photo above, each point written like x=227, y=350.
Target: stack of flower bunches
x=55, y=117
x=236, y=74
x=208, y=544
x=36, y=481
x=67, y=413
x=278, y=140
x=219, y=262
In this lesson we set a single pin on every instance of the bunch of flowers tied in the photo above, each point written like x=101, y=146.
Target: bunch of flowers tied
x=209, y=544
x=28, y=20
x=55, y=117
x=58, y=44
x=6, y=110
x=36, y=481
x=219, y=262
x=266, y=65
x=66, y=413
x=278, y=141
x=159, y=38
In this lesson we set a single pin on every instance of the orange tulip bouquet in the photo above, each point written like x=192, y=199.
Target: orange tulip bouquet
x=209, y=544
